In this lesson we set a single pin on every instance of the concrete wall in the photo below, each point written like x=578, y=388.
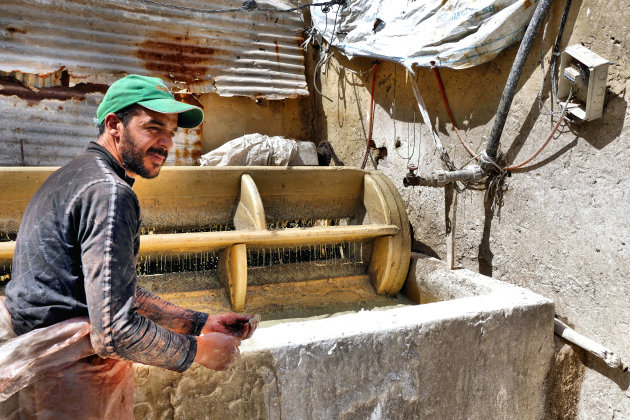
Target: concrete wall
x=227, y=118
x=563, y=228
x=483, y=355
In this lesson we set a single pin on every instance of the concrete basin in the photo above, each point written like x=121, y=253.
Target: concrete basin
x=478, y=349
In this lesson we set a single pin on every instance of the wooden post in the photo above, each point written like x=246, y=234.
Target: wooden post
x=450, y=213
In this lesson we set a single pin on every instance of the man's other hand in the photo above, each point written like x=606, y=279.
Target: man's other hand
x=217, y=351
x=236, y=325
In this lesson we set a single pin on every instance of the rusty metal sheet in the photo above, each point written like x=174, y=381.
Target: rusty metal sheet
x=50, y=126
x=254, y=53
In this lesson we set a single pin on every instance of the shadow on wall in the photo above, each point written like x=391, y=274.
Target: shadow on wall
x=564, y=381
x=565, y=378
x=609, y=126
x=598, y=134
x=421, y=247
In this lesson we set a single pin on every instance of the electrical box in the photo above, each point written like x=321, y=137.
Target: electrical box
x=583, y=74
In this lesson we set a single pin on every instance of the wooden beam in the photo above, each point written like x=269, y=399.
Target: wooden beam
x=211, y=241
x=450, y=202
x=207, y=241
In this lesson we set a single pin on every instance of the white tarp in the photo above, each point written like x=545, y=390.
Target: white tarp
x=260, y=150
x=452, y=33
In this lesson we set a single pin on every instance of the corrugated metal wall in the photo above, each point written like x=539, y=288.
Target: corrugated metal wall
x=58, y=57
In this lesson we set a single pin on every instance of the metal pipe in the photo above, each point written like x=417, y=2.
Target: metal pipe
x=442, y=178
x=596, y=349
x=512, y=82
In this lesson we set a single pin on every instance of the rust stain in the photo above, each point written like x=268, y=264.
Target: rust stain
x=527, y=3
x=182, y=58
x=299, y=39
x=188, y=98
x=277, y=51
x=11, y=87
x=198, y=144
x=14, y=30
x=195, y=152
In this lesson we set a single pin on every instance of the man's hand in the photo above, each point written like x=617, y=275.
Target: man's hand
x=236, y=325
x=217, y=351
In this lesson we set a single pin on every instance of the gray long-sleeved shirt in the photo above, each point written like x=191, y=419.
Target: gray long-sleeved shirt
x=75, y=255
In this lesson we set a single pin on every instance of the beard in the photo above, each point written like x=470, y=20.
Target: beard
x=133, y=157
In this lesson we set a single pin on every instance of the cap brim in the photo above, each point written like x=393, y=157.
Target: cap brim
x=190, y=116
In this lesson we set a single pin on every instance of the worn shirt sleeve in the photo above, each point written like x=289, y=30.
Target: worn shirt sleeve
x=169, y=315
x=108, y=236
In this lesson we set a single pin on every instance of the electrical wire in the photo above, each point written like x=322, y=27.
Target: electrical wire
x=553, y=132
x=322, y=61
x=325, y=55
x=555, y=128
x=450, y=114
x=555, y=53
x=396, y=141
x=371, y=124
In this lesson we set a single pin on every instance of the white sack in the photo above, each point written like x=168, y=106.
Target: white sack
x=456, y=34
x=260, y=150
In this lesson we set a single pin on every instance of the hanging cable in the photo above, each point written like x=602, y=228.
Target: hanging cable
x=556, y=53
x=325, y=55
x=555, y=128
x=371, y=124
x=322, y=61
x=448, y=110
x=411, y=152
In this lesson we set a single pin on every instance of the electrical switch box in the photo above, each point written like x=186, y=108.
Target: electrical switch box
x=583, y=75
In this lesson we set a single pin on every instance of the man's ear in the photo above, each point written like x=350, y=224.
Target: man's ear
x=113, y=125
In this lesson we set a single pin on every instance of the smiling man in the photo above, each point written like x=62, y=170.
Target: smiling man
x=76, y=253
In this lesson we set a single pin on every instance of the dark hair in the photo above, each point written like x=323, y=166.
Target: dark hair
x=124, y=115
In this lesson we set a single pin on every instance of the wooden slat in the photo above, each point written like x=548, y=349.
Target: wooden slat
x=250, y=213
x=6, y=251
x=450, y=202
x=233, y=274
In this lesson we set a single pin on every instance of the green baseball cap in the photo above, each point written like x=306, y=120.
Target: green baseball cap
x=150, y=92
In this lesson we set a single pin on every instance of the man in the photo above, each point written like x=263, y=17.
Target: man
x=76, y=252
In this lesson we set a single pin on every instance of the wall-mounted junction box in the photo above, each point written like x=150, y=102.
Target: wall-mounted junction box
x=582, y=73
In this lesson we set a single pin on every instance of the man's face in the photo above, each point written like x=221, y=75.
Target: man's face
x=146, y=141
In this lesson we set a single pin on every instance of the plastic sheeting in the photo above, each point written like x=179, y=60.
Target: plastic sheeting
x=260, y=150
x=53, y=373
x=452, y=33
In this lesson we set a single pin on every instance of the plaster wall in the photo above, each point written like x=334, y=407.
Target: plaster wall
x=482, y=355
x=563, y=228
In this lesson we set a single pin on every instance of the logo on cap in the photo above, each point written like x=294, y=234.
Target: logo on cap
x=162, y=88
